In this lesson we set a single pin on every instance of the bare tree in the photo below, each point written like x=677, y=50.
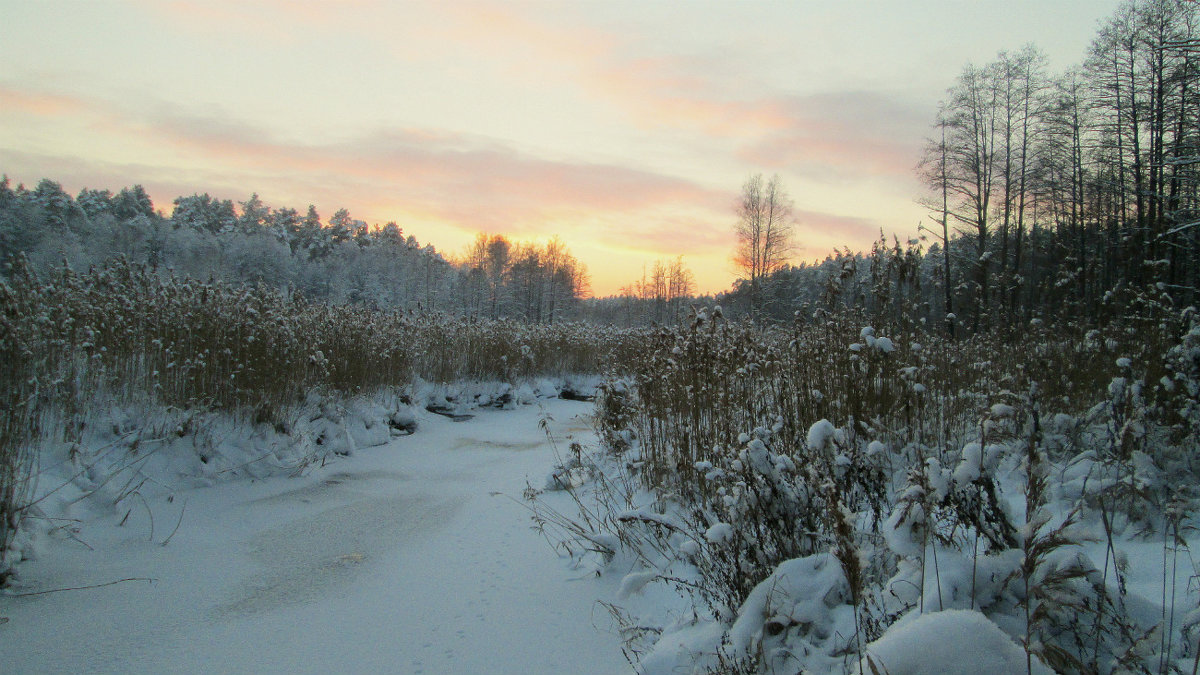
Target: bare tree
x=765, y=231
x=933, y=171
x=681, y=284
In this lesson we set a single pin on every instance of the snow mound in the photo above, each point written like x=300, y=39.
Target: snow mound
x=820, y=433
x=801, y=608
x=634, y=582
x=721, y=533
x=956, y=641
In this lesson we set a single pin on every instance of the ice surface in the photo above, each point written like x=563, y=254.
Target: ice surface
x=406, y=557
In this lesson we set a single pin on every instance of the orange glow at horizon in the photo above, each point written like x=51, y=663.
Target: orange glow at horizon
x=610, y=266
x=625, y=130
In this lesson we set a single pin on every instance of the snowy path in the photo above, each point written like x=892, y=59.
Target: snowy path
x=400, y=559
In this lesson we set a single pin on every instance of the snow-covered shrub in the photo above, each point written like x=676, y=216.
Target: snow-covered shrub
x=764, y=508
x=801, y=615
x=984, y=495
x=953, y=642
x=1180, y=393
x=614, y=416
x=18, y=389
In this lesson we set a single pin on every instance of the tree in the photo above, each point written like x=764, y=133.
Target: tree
x=95, y=202
x=391, y=235
x=1023, y=107
x=933, y=172
x=972, y=163
x=202, y=212
x=312, y=236
x=475, y=290
x=341, y=227
x=525, y=279
x=55, y=202
x=132, y=202
x=498, y=260
x=284, y=224
x=764, y=233
x=254, y=216
x=681, y=284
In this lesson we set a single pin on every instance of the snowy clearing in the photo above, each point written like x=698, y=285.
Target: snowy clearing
x=410, y=557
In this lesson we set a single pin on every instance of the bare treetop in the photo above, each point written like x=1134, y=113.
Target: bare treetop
x=765, y=231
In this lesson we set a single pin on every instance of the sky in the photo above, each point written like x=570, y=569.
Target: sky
x=625, y=128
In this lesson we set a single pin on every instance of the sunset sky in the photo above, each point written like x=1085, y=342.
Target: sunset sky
x=626, y=128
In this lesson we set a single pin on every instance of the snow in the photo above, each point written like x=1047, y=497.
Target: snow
x=1001, y=410
x=634, y=582
x=969, y=468
x=953, y=642
x=819, y=434
x=810, y=595
x=720, y=533
x=411, y=556
x=898, y=529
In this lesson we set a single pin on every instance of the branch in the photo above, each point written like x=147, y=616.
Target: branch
x=1179, y=229
x=78, y=588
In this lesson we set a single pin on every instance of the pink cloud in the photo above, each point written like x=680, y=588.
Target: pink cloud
x=826, y=136
x=830, y=227
x=39, y=103
x=839, y=136
x=701, y=97
x=468, y=182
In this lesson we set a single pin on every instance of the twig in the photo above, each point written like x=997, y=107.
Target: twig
x=104, y=449
x=177, y=524
x=110, y=447
x=78, y=588
x=246, y=464
x=149, y=513
x=66, y=527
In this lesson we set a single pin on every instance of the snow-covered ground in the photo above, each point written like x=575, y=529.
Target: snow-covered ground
x=410, y=557
x=416, y=555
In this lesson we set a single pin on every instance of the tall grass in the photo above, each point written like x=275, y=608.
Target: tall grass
x=826, y=434
x=135, y=334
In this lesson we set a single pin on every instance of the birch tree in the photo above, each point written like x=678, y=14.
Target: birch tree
x=765, y=233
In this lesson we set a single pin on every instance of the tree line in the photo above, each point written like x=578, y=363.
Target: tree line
x=1050, y=194
x=342, y=260
x=1063, y=187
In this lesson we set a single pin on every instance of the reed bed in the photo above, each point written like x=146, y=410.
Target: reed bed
x=72, y=343
x=886, y=444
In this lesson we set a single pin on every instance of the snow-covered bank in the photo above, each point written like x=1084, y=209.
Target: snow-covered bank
x=947, y=610
x=406, y=557
x=128, y=453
